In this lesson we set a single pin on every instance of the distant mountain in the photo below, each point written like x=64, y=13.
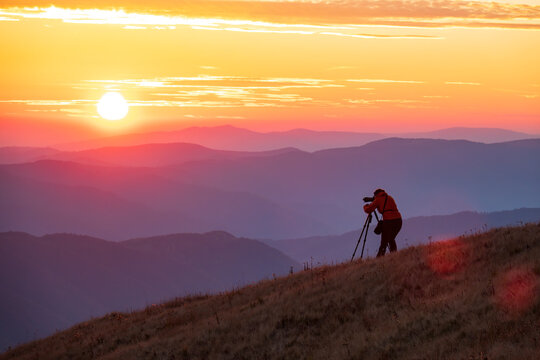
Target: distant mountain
x=117, y=203
x=43, y=207
x=288, y=194
x=137, y=155
x=232, y=138
x=484, y=135
x=55, y=281
x=473, y=298
x=425, y=177
x=16, y=154
x=416, y=230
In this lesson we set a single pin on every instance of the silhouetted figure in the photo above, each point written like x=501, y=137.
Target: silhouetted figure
x=391, y=219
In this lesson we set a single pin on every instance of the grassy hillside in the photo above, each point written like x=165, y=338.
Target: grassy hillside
x=475, y=297
x=56, y=281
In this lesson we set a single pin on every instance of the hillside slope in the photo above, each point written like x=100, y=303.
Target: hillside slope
x=55, y=281
x=475, y=297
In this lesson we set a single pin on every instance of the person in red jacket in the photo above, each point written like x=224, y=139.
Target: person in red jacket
x=391, y=219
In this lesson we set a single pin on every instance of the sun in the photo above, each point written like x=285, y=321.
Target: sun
x=112, y=106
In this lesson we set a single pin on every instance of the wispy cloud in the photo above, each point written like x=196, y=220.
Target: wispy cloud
x=385, y=81
x=201, y=103
x=50, y=102
x=215, y=82
x=204, y=91
x=224, y=91
x=337, y=18
x=71, y=108
x=5, y=18
x=409, y=103
x=462, y=83
x=379, y=36
x=390, y=101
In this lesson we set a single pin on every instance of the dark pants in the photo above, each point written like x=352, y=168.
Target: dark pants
x=390, y=229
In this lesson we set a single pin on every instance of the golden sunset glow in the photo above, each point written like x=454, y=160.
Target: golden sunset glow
x=340, y=65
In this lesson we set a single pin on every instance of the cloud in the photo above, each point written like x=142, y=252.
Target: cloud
x=408, y=103
x=374, y=101
x=377, y=36
x=50, y=102
x=204, y=81
x=296, y=17
x=385, y=81
x=5, y=18
x=204, y=91
x=223, y=91
x=462, y=83
x=200, y=103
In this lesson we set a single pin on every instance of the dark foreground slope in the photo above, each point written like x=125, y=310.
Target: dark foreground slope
x=468, y=298
x=55, y=281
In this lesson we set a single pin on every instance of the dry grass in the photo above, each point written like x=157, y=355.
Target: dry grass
x=469, y=298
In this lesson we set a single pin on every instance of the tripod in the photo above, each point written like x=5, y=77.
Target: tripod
x=364, y=233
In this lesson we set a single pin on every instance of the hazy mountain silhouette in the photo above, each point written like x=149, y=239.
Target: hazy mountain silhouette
x=424, y=176
x=294, y=193
x=54, y=281
x=43, y=207
x=416, y=230
x=117, y=203
x=19, y=154
x=233, y=138
x=137, y=155
x=484, y=135
x=228, y=137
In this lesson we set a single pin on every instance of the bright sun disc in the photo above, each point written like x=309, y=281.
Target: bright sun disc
x=112, y=106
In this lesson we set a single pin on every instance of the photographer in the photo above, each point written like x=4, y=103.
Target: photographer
x=391, y=219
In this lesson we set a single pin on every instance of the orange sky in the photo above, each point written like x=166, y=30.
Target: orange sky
x=267, y=65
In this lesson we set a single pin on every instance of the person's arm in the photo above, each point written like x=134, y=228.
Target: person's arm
x=369, y=208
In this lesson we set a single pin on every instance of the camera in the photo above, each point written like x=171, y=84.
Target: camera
x=369, y=199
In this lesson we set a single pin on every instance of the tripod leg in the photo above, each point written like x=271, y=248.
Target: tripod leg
x=365, y=236
x=360, y=237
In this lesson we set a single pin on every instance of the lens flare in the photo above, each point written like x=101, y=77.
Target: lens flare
x=515, y=290
x=446, y=257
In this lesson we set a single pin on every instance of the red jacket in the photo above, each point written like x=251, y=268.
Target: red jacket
x=390, y=210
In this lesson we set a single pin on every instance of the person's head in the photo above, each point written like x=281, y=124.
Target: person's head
x=378, y=192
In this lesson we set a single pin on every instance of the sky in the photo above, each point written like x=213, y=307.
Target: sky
x=357, y=65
